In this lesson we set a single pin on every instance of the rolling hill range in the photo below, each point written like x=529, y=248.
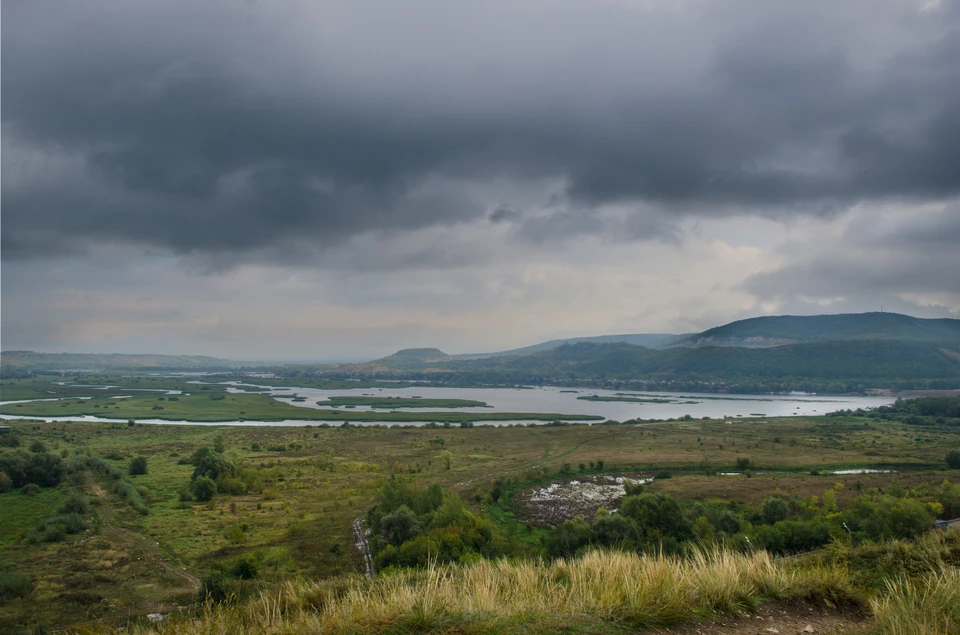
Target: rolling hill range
x=766, y=332
x=810, y=353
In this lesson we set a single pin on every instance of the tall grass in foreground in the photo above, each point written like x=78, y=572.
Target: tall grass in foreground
x=599, y=592
x=928, y=606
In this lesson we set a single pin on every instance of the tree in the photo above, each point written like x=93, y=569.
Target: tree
x=775, y=509
x=953, y=460
x=568, y=537
x=657, y=516
x=447, y=457
x=212, y=464
x=138, y=466
x=615, y=530
x=400, y=526
x=204, y=489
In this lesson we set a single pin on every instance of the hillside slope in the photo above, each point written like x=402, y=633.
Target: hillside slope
x=769, y=331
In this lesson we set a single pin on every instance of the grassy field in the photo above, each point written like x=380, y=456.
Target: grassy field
x=314, y=481
x=401, y=402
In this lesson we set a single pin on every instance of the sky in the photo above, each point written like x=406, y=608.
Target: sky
x=317, y=181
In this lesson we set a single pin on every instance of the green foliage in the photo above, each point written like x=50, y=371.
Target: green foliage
x=211, y=464
x=75, y=504
x=55, y=529
x=658, y=517
x=953, y=459
x=884, y=516
x=6, y=483
x=775, y=509
x=413, y=526
x=568, y=538
x=30, y=489
x=792, y=536
x=203, y=489
x=15, y=585
x=39, y=467
x=400, y=526
x=138, y=466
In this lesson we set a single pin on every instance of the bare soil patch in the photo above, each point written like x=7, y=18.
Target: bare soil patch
x=555, y=502
x=794, y=617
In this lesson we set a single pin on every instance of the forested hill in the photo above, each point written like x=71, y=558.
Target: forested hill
x=765, y=332
x=831, y=366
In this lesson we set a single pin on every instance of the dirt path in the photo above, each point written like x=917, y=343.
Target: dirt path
x=784, y=617
x=363, y=545
x=130, y=538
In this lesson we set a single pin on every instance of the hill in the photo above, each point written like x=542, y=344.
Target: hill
x=649, y=340
x=769, y=331
x=818, y=367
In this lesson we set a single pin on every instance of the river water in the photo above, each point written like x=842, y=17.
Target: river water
x=559, y=401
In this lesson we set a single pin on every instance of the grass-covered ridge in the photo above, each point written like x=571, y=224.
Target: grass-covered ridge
x=598, y=592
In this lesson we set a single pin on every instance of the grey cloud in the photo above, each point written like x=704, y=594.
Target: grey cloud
x=914, y=254
x=237, y=131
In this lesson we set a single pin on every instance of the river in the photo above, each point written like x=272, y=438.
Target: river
x=560, y=401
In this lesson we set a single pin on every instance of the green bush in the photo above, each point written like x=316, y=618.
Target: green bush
x=41, y=468
x=6, y=483
x=75, y=504
x=138, y=466
x=204, y=489
x=953, y=460
x=30, y=489
x=14, y=585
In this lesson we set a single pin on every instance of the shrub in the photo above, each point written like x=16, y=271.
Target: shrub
x=75, y=504
x=138, y=466
x=775, y=509
x=211, y=464
x=30, y=489
x=743, y=463
x=215, y=587
x=953, y=460
x=230, y=485
x=6, y=483
x=42, y=468
x=244, y=568
x=204, y=489
x=14, y=585
x=56, y=529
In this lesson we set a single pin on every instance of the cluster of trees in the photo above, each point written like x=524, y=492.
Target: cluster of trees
x=213, y=473
x=657, y=522
x=412, y=526
x=922, y=411
x=36, y=466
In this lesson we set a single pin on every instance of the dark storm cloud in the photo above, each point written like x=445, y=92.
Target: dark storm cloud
x=271, y=130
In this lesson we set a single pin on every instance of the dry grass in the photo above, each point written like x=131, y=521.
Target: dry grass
x=929, y=606
x=619, y=590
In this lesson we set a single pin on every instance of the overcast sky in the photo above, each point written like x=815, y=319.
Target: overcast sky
x=301, y=180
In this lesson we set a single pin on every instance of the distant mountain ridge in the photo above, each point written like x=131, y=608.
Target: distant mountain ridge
x=825, y=352
x=648, y=340
x=782, y=330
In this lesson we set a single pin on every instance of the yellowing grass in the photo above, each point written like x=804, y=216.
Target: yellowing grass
x=930, y=606
x=618, y=589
